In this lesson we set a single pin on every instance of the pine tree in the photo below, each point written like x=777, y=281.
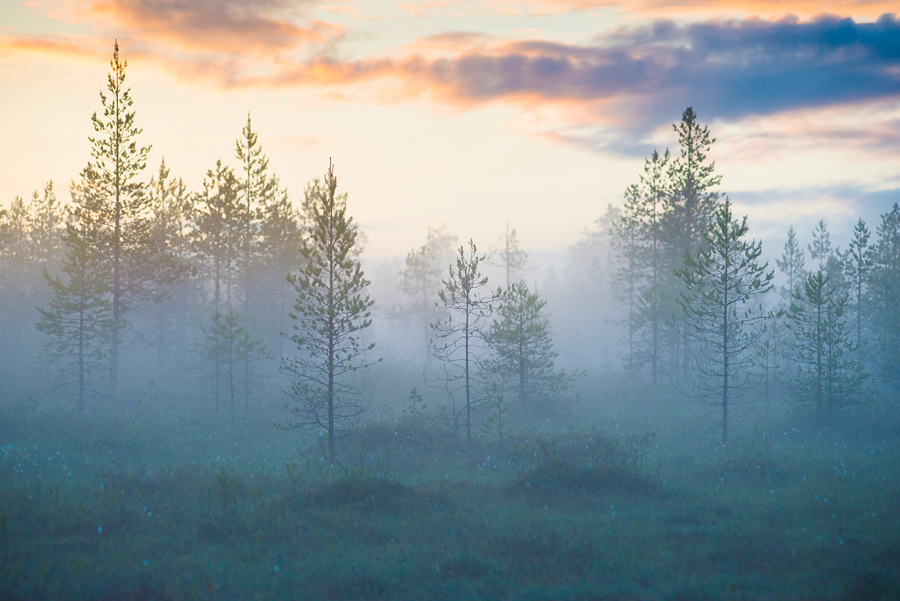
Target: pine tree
x=693, y=185
x=720, y=280
x=217, y=231
x=281, y=237
x=16, y=222
x=229, y=348
x=112, y=203
x=257, y=187
x=46, y=226
x=522, y=355
x=655, y=303
x=827, y=378
x=820, y=247
x=19, y=279
x=643, y=274
x=456, y=342
x=330, y=313
x=509, y=256
x=793, y=265
x=693, y=197
x=421, y=279
x=885, y=295
x=78, y=322
x=858, y=263
x=627, y=242
x=171, y=209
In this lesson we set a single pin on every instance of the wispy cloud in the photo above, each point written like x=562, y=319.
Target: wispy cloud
x=56, y=45
x=772, y=212
x=218, y=26
x=869, y=9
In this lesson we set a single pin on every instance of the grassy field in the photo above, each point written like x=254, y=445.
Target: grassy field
x=626, y=506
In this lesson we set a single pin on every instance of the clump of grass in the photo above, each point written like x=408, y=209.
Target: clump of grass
x=592, y=463
x=383, y=495
x=759, y=457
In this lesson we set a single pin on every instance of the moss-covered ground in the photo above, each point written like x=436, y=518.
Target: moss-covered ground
x=168, y=506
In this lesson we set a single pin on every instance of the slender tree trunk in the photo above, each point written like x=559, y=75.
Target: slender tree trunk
x=468, y=397
x=331, y=334
x=246, y=386
x=117, y=258
x=182, y=321
x=522, y=391
x=231, y=371
x=725, y=363
x=81, y=356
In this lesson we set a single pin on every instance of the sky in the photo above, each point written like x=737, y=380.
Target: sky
x=475, y=113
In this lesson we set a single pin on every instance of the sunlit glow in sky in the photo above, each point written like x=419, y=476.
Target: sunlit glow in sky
x=474, y=113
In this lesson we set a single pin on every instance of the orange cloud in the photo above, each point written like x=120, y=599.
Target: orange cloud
x=218, y=26
x=72, y=47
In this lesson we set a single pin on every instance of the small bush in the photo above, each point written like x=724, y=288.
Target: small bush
x=370, y=493
x=591, y=463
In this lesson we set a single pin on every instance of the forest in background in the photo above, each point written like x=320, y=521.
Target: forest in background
x=142, y=291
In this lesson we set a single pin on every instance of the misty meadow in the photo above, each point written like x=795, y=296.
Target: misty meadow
x=215, y=394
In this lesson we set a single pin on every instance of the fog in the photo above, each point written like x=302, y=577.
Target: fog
x=217, y=394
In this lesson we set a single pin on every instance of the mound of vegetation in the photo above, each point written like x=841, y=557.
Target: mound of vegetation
x=591, y=463
x=371, y=493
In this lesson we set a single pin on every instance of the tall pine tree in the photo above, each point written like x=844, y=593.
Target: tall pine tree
x=329, y=315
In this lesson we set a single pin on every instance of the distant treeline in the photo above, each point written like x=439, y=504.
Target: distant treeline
x=234, y=282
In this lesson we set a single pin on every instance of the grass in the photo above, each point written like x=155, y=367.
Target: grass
x=115, y=508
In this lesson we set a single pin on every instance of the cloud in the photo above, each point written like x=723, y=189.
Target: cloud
x=614, y=92
x=771, y=211
x=72, y=47
x=217, y=26
x=632, y=78
x=869, y=9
